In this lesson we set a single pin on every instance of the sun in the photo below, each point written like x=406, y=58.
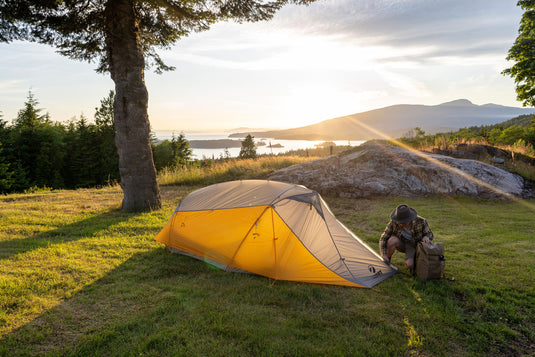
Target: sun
x=312, y=104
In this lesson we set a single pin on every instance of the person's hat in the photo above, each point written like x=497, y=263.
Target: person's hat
x=403, y=214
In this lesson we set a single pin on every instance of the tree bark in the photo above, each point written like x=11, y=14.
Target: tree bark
x=127, y=65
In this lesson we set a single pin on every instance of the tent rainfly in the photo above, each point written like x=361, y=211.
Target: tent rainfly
x=278, y=230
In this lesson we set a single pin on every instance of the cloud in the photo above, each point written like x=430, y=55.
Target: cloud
x=404, y=84
x=360, y=35
x=489, y=26
x=9, y=86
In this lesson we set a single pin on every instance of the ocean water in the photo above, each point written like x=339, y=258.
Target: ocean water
x=286, y=145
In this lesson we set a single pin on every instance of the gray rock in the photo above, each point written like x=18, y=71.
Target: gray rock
x=376, y=168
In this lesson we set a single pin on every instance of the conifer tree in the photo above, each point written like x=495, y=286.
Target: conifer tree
x=48, y=162
x=86, y=158
x=6, y=176
x=181, y=150
x=37, y=153
x=29, y=116
x=248, y=148
x=108, y=158
x=122, y=36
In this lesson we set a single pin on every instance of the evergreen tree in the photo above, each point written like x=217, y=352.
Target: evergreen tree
x=6, y=176
x=36, y=148
x=108, y=158
x=15, y=175
x=29, y=116
x=70, y=177
x=248, y=148
x=122, y=36
x=181, y=150
x=173, y=153
x=48, y=162
x=84, y=158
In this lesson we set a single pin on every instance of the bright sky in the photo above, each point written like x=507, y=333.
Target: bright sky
x=309, y=64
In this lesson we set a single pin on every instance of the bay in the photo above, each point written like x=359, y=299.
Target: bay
x=263, y=144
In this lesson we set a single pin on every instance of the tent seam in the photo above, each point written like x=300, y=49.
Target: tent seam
x=274, y=243
x=336, y=246
x=317, y=259
x=275, y=200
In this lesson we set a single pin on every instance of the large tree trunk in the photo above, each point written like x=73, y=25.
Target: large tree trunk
x=127, y=65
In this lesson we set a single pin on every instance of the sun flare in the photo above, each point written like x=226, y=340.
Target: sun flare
x=447, y=167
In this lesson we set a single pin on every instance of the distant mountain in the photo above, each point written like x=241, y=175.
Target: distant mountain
x=246, y=129
x=396, y=120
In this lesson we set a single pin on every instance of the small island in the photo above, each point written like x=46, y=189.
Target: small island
x=270, y=145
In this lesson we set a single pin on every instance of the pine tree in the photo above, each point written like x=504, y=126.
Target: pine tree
x=85, y=157
x=29, y=116
x=108, y=158
x=37, y=154
x=248, y=148
x=48, y=162
x=123, y=35
x=181, y=150
x=6, y=176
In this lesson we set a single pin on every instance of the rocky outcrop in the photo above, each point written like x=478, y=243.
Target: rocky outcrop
x=376, y=168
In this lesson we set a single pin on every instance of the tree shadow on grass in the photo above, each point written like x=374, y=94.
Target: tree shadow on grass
x=156, y=303
x=68, y=233
x=115, y=314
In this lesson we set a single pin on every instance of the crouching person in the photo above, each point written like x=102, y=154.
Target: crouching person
x=404, y=231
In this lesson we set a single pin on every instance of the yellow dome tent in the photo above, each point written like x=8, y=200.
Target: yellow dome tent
x=278, y=230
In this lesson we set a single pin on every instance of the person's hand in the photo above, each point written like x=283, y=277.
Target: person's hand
x=426, y=240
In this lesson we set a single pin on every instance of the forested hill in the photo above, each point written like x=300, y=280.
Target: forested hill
x=522, y=121
x=396, y=120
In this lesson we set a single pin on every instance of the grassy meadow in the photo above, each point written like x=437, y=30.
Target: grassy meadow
x=79, y=277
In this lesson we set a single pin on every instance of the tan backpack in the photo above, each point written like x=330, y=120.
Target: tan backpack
x=430, y=261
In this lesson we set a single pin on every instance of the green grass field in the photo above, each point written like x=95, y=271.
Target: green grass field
x=79, y=277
